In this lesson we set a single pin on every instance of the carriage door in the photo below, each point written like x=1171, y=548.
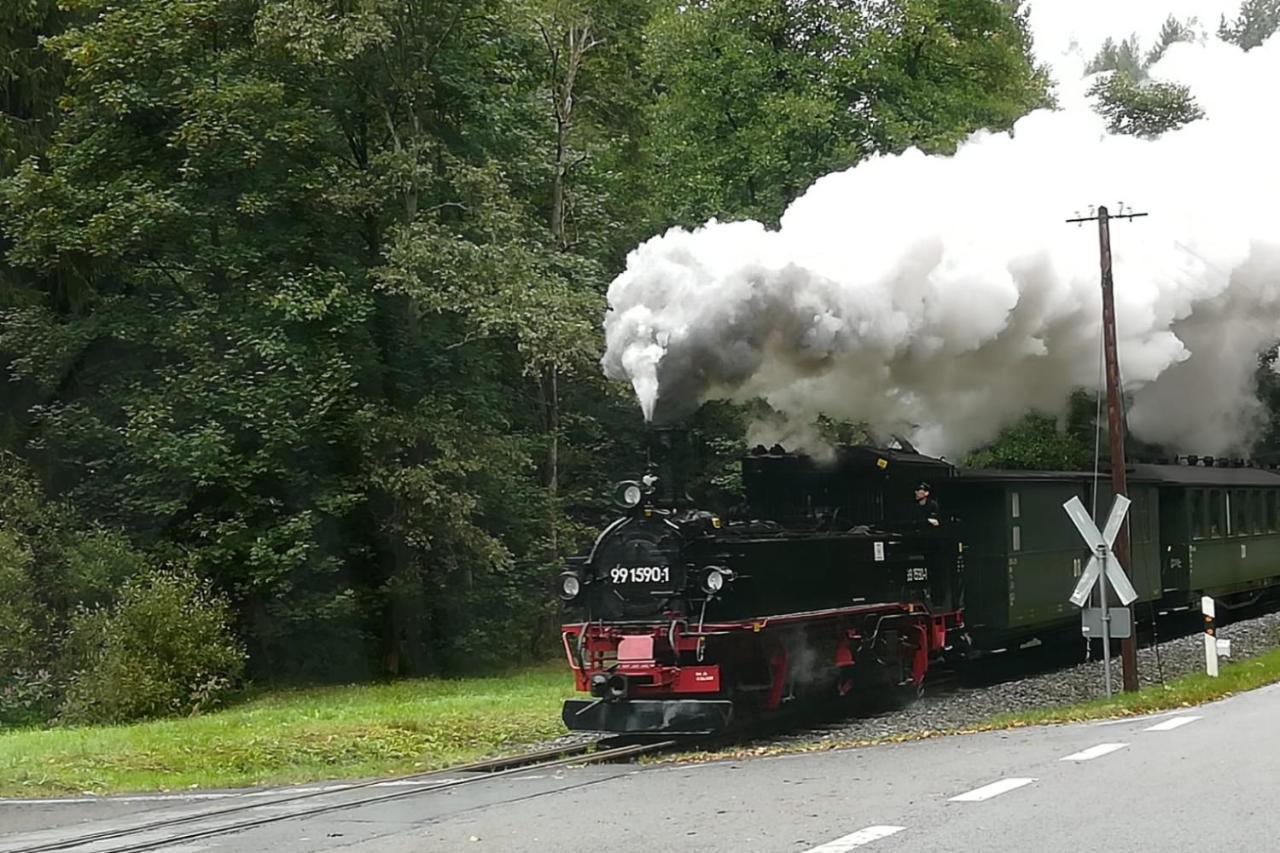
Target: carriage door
x=1181, y=519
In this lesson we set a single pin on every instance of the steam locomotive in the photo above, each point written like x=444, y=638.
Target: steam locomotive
x=822, y=583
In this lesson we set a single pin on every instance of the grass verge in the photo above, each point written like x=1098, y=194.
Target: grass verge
x=1183, y=692
x=290, y=736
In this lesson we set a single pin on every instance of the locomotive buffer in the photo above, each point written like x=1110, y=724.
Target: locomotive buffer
x=1111, y=621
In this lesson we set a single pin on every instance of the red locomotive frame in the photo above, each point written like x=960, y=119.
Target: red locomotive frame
x=674, y=676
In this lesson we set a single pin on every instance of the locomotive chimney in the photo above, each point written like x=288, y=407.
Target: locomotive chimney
x=670, y=459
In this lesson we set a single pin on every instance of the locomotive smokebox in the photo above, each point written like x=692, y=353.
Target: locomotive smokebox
x=671, y=460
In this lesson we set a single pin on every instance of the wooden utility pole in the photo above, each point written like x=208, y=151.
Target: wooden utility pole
x=1115, y=420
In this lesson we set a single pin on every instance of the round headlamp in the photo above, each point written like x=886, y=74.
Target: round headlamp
x=628, y=494
x=570, y=586
x=714, y=581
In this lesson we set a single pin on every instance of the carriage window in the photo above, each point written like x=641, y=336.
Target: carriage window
x=1197, y=514
x=1240, y=513
x=1217, y=514
x=1271, y=511
x=1257, y=508
x=1017, y=538
x=1015, y=508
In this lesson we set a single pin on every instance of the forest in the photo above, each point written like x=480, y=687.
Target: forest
x=301, y=301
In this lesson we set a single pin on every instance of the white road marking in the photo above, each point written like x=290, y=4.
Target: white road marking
x=1093, y=752
x=846, y=843
x=995, y=789
x=1172, y=723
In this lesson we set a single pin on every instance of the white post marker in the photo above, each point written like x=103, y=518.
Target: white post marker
x=1210, y=641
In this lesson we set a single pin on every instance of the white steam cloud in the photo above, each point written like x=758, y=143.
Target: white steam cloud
x=944, y=297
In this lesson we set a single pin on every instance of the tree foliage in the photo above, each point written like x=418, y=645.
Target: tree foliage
x=50, y=567
x=1129, y=99
x=1147, y=108
x=300, y=299
x=1045, y=442
x=757, y=98
x=1256, y=22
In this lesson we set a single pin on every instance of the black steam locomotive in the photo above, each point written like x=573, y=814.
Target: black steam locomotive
x=822, y=584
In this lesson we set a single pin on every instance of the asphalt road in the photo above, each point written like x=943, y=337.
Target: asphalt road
x=1205, y=778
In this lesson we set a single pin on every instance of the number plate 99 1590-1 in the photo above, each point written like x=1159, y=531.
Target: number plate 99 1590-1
x=640, y=574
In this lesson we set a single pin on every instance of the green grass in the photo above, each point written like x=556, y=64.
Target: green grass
x=294, y=736
x=1182, y=692
x=383, y=729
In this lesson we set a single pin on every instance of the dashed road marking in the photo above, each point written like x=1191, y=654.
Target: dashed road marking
x=1172, y=723
x=846, y=843
x=1094, y=752
x=995, y=789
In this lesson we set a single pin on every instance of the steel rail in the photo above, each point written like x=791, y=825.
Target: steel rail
x=483, y=770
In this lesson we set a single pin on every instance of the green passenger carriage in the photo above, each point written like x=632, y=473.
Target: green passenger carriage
x=1194, y=529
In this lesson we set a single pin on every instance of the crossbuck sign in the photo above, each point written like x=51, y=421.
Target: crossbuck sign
x=1100, y=543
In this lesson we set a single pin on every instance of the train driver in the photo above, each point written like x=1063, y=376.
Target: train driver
x=926, y=510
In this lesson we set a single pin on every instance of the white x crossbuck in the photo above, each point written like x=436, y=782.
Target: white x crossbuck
x=1100, y=545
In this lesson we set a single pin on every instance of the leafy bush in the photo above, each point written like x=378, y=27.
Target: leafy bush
x=93, y=564
x=165, y=647
x=20, y=640
x=27, y=697
x=27, y=691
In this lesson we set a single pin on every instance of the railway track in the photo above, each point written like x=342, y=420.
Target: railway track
x=241, y=816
